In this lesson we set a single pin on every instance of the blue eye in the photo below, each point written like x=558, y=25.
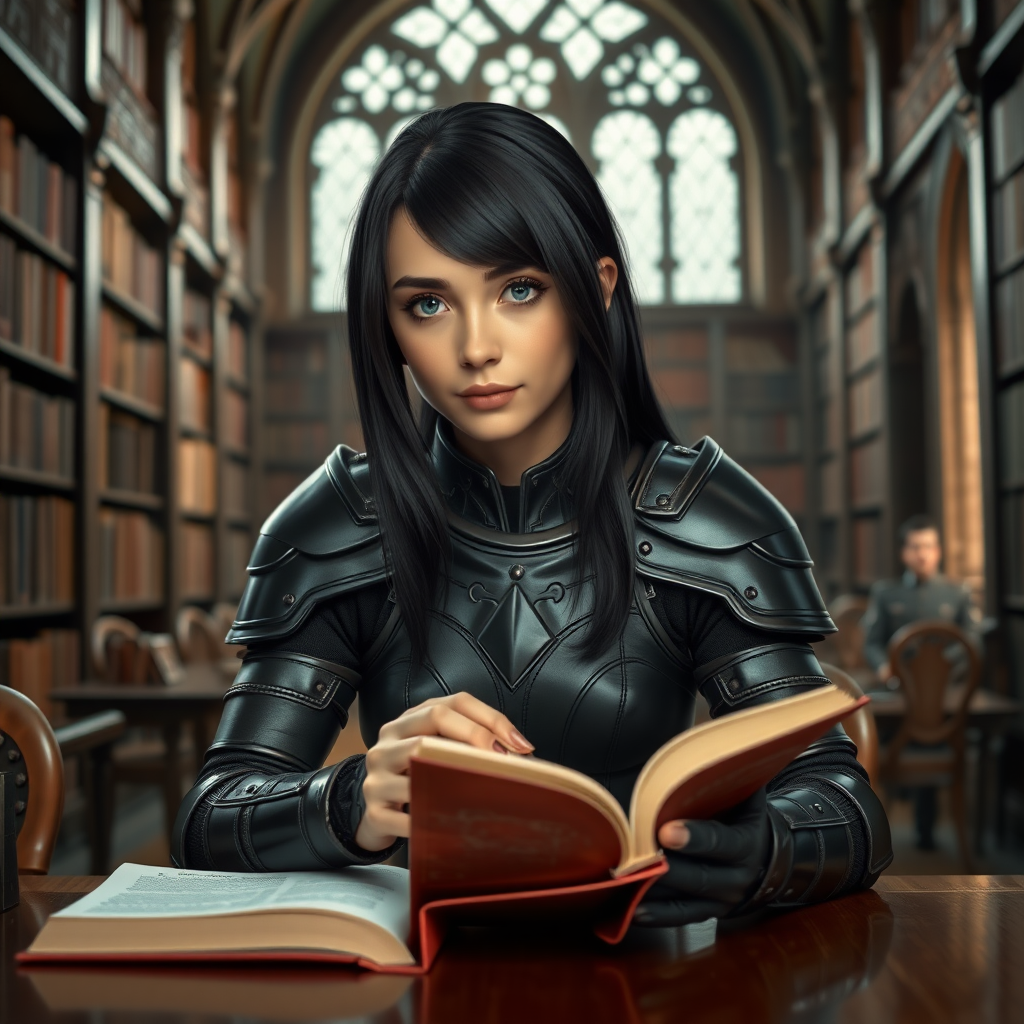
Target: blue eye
x=428, y=306
x=521, y=291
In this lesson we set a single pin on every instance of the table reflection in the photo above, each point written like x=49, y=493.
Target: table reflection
x=800, y=965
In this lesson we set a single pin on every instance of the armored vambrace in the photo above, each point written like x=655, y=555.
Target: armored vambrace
x=270, y=806
x=830, y=834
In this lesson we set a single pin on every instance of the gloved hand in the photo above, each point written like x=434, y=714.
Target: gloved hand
x=713, y=866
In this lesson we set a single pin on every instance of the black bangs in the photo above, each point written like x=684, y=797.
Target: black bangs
x=493, y=186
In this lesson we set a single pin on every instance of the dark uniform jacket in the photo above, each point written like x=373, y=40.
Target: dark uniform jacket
x=896, y=603
x=724, y=605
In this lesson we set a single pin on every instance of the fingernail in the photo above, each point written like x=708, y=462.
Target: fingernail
x=499, y=748
x=520, y=740
x=678, y=836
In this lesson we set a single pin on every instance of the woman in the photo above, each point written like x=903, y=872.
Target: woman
x=536, y=567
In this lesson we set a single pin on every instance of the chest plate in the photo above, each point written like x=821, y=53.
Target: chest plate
x=509, y=633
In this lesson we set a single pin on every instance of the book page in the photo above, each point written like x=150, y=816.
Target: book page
x=375, y=893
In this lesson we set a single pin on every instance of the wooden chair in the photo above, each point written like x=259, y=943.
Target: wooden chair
x=29, y=752
x=199, y=636
x=845, y=649
x=928, y=749
x=117, y=650
x=34, y=754
x=860, y=726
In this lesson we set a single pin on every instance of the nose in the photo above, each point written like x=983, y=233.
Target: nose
x=478, y=346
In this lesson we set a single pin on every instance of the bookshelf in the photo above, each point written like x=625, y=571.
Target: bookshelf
x=1007, y=208
x=126, y=371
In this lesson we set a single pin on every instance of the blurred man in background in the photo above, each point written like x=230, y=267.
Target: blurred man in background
x=922, y=592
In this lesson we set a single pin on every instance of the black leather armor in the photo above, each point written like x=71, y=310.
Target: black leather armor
x=704, y=530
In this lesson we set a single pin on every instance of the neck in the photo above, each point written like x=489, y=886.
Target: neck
x=509, y=457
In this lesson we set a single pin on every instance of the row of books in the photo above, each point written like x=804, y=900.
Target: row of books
x=130, y=364
x=235, y=489
x=197, y=561
x=127, y=452
x=39, y=665
x=866, y=403
x=37, y=304
x=131, y=556
x=36, y=190
x=764, y=390
x=1009, y=316
x=197, y=476
x=1013, y=543
x=237, y=548
x=130, y=264
x=867, y=560
x=1008, y=219
x=37, y=431
x=36, y=549
x=296, y=359
x=1011, y=422
x=1008, y=129
x=194, y=400
x=788, y=482
x=763, y=434
x=124, y=40
x=196, y=323
x=867, y=476
x=238, y=352
x=290, y=395
x=296, y=442
x=235, y=420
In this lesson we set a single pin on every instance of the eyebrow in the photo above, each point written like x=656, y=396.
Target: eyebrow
x=421, y=282
x=440, y=284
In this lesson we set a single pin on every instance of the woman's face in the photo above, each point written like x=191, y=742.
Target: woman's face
x=490, y=348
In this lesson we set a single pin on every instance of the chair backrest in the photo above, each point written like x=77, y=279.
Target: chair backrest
x=114, y=649
x=847, y=611
x=31, y=757
x=920, y=655
x=199, y=636
x=860, y=726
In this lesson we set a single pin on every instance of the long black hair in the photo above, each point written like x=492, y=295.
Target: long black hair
x=489, y=185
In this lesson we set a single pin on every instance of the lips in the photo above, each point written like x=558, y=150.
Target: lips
x=488, y=396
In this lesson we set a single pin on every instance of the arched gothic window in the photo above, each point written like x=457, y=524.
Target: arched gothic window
x=615, y=78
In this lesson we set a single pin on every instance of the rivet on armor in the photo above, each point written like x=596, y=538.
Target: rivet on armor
x=750, y=593
x=13, y=755
x=517, y=572
x=645, y=547
x=818, y=808
x=250, y=788
x=734, y=685
x=19, y=806
x=678, y=449
x=661, y=500
x=20, y=779
x=319, y=687
x=288, y=599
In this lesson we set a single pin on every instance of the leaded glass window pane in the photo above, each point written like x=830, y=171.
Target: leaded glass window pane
x=704, y=193
x=344, y=151
x=614, y=77
x=627, y=144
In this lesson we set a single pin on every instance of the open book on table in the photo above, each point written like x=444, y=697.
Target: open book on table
x=494, y=837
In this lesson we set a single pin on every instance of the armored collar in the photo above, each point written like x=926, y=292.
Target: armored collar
x=472, y=491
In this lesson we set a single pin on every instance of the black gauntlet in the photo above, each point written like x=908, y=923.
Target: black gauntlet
x=829, y=832
x=262, y=802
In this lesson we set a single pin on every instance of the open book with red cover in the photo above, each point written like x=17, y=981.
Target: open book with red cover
x=494, y=837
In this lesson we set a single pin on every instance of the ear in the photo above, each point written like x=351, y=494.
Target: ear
x=608, y=272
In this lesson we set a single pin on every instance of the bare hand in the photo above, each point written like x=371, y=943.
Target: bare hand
x=386, y=787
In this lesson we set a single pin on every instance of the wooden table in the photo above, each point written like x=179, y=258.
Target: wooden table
x=168, y=708
x=916, y=949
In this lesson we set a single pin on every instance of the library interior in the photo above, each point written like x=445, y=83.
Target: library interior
x=822, y=207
